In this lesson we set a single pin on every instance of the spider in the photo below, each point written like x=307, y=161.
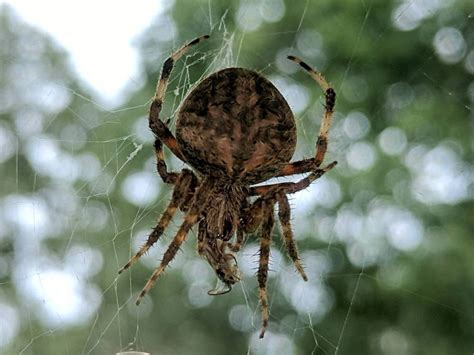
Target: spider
x=235, y=130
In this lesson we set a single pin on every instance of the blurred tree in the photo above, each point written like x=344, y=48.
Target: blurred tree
x=386, y=237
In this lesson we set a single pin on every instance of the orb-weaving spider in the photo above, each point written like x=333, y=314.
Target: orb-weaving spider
x=235, y=130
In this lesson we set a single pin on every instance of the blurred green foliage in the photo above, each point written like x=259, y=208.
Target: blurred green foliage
x=385, y=298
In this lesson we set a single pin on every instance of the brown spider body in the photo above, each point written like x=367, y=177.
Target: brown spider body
x=235, y=130
x=237, y=127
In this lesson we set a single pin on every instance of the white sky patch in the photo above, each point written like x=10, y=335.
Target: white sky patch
x=97, y=34
x=60, y=298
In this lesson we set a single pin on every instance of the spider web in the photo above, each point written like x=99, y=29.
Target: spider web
x=93, y=193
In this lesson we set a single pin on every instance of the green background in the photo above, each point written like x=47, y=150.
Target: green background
x=387, y=236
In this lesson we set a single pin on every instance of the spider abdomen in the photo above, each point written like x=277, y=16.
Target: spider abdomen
x=236, y=124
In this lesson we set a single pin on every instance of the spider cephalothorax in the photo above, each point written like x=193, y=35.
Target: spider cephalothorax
x=235, y=130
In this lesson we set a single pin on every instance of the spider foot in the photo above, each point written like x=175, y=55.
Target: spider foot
x=149, y=284
x=300, y=270
x=135, y=258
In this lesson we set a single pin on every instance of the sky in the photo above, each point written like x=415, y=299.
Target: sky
x=98, y=36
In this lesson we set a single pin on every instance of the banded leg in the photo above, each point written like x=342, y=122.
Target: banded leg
x=299, y=167
x=235, y=247
x=291, y=187
x=262, y=273
x=158, y=127
x=322, y=142
x=167, y=177
x=191, y=218
x=284, y=214
x=261, y=213
x=182, y=189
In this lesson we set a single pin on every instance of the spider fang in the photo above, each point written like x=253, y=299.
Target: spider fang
x=220, y=290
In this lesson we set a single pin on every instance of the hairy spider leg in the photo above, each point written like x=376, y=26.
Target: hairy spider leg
x=251, y=219
x=240, y=239
x=291, y=187
x=262, y=210
x=183, y=187
x=255, y=215
x=284, y=214
x=159, y=128
x=330, y=101
x=166, y=176
x=262, y=273
x=197, y=206
x=308, y=165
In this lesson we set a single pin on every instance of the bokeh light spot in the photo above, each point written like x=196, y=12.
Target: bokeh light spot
x=361, y=156
x=140, y=188
x=450, y=45
x=356, y=125
x=272, y=10
x=10, y=324
x=248, y=16
x=392, y=140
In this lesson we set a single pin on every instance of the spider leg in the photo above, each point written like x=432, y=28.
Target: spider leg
x=262, y=273
x=191, y=218
x=298, y=167
x=185, y=185
x=261, y=214
x=159, y=128
x=253, y=216
x=201, y=236
x=308, y=165
x=291, y=187
x=240, y=239
x=284, y=214
x=167, y=177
